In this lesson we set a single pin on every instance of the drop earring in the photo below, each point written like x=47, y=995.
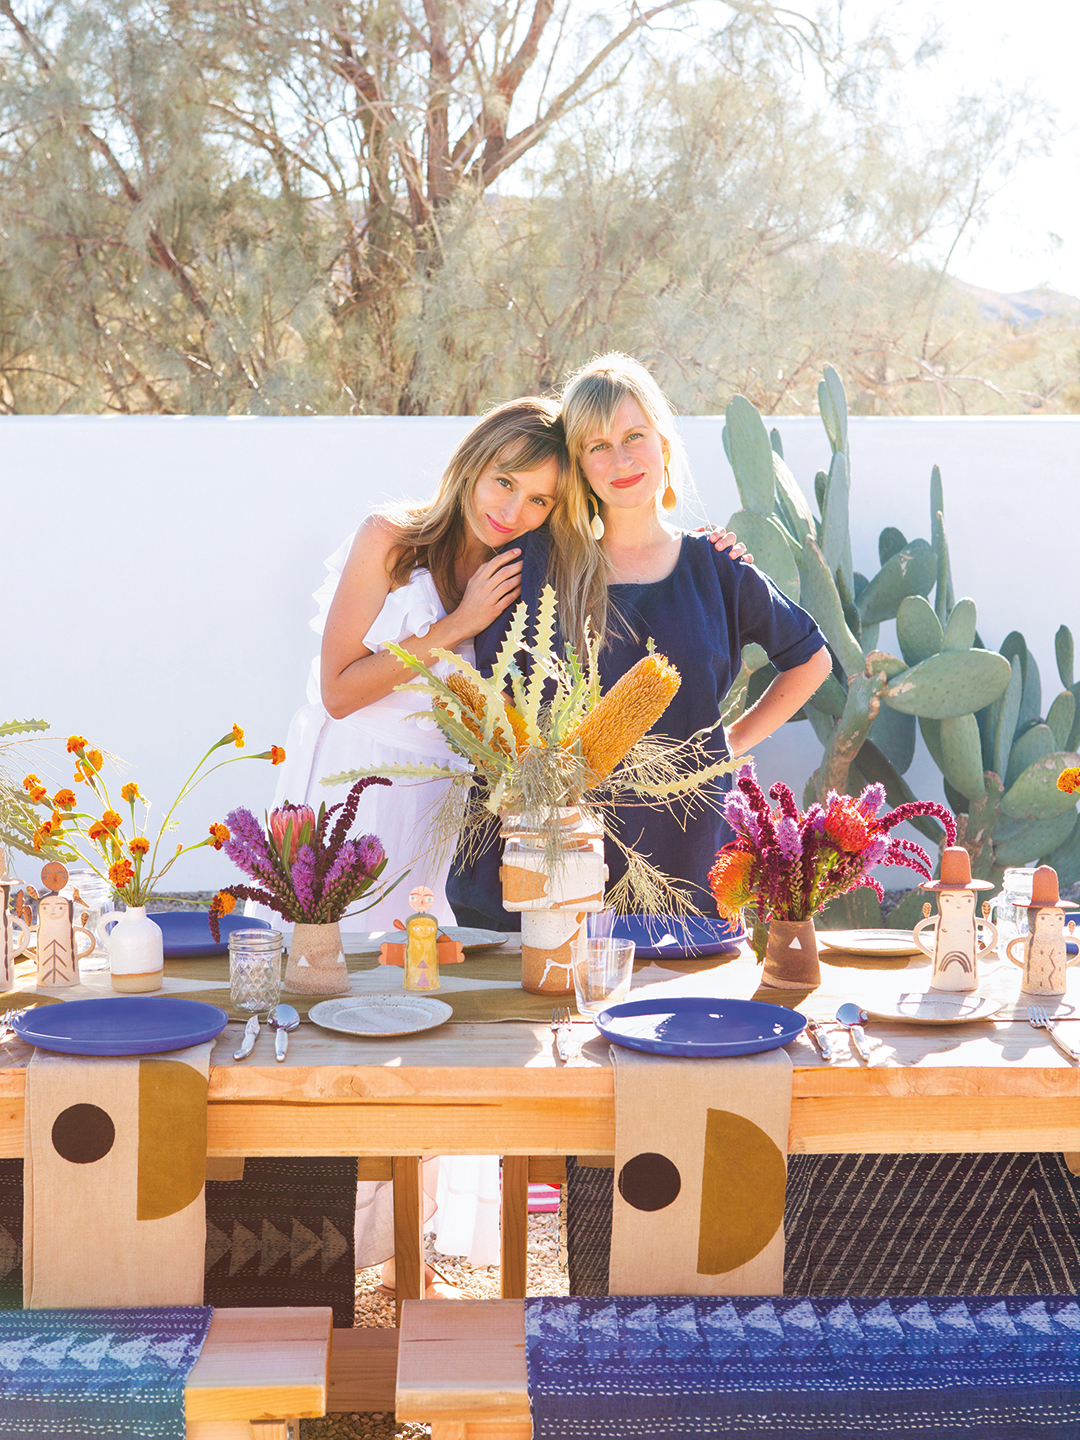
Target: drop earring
x=669, y=499
x=596, y=525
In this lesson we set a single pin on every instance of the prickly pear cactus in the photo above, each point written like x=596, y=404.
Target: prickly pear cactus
x=978, y=710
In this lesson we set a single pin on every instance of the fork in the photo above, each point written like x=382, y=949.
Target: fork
x=9, y=1015
x=1038, y=1018
x=561, y=1029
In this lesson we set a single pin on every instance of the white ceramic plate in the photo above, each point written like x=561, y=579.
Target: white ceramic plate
x=468, y=939
x=936, y=1007
x=373, y=1016
x=876, y=944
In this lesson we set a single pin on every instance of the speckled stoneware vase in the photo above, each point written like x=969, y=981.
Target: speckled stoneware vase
x=316, y=961
x=791, y=956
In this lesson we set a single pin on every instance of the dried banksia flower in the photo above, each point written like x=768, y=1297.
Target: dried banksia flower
x=517, y=725
x=629, y=709
x=473, y=709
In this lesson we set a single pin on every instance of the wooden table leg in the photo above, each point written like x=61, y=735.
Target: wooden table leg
x=515, y=1225
x=408, y=1231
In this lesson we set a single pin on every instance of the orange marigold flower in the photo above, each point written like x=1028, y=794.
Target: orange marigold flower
x=98, y=831
x=223, y=903
x=238, y=737
x=1069, y=780
x=111, y=820
x=40, y=834
x=277, y=754
x=729, y=880
x=30, y=782
x=847, y=827
x=80, y=774
x=219, y=834
x=64, y=799
x=121, y=873
x=38, y=793
x=75, y=744
x=130, y=792
x=139, y=846
x=95, y=759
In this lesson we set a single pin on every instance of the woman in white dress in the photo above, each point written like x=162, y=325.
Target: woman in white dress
x=425, y=577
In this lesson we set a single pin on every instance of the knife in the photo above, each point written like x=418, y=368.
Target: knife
x=820, y=1039
x=251, y=1033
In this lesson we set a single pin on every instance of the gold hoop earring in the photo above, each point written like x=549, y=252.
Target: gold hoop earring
x=596, y=525
x=669, y=499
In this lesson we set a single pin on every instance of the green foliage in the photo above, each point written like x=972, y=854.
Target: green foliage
x=978, y=710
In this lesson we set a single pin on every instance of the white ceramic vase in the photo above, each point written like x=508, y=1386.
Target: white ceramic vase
x=136, y=949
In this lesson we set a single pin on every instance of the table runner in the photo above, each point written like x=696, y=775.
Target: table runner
x=115, y=1165
x=98, y=1374
x=700, y=1162
x=667, y=1367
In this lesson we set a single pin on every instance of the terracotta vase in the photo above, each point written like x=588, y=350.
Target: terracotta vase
x=316, y=961
x=791, y=957
x=553, y=900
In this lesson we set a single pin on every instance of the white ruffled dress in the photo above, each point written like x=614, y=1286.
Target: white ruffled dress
x=388, y=732
x=464, y=1188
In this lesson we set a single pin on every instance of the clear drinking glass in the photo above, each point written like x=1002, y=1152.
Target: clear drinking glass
x=1009, y=909
x=95, y=899
x=602, y=971
x=255, y=969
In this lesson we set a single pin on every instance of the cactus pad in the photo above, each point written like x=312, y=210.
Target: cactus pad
x=949, y=684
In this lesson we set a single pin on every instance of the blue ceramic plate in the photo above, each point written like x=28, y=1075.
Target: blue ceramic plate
x=656, y=936
x=128, y=1025
x=187, y=932
x=696, y=1025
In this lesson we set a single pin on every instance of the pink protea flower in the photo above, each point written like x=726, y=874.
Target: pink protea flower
x=291, y=827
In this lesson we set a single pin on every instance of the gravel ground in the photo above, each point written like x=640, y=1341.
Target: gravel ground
x=375, y=1308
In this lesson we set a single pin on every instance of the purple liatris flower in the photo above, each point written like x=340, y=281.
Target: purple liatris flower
x=343, y=862
x=737, y=812
x=246, y=846
x=875, y=851
x=370, y=852
x=815, y=819
x=789, y=838
x=302, y=875
x=872, y=799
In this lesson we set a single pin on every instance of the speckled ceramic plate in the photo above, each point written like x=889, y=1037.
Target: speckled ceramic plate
x=874, y=944
x=373, y=1016
x=936, y=1007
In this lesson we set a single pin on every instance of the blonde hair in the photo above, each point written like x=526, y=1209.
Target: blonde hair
x=580, y=570
x=521, y=433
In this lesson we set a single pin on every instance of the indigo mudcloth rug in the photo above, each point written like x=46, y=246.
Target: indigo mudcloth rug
x=665, y=1367
x=283, y=1235
x=98, y=1374
x=11, y=1233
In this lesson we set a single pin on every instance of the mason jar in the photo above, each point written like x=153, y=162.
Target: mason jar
x=255, y=969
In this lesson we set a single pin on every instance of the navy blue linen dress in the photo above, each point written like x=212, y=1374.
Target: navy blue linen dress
x=700, y=616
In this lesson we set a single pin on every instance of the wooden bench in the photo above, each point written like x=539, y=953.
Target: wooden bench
x=461, y=1368
x=259, y=1370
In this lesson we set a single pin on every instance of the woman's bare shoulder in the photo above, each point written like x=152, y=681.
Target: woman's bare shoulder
x=376, y=542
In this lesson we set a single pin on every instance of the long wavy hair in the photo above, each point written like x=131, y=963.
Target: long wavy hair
x=522, y=434
x=579, y=569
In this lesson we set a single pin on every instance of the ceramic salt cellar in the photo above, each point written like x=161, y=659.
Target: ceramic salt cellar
x=1041, y=951
x=958, y=945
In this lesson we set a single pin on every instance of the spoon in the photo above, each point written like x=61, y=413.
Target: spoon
x=282, y=1019
x=853, y=1017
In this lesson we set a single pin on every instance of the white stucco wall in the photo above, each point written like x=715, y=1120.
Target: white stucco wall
x=156, y=573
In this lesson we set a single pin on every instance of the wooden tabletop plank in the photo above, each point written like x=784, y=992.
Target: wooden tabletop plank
x=462, y=1360
x=262, y=1363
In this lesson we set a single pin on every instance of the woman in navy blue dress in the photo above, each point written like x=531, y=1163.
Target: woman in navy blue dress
x=635, y=578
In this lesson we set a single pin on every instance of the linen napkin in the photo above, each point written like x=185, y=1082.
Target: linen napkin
x=700, y=1174
x=113, y=1203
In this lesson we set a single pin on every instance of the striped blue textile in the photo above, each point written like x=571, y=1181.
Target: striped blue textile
x=98, y=1374
x=793, y=1367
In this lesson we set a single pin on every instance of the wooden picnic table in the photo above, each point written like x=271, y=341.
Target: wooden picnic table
x=996, y=1085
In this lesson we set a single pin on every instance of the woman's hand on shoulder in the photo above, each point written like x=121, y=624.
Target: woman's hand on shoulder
x=491, y=588
x=722, y=539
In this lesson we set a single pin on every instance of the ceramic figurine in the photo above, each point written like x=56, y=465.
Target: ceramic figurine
x=449, y=952
x=421, y=945
x=11, y=946
x=57, y=946
x=1041, y=951
x=957, y=945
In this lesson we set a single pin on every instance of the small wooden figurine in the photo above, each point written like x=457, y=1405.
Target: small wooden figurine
x=1043, y=951
x=10, y=946
x=57, y=947
x=957, y=944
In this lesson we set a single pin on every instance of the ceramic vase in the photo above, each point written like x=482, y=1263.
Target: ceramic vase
x=791, y=956
x=136, y=949
x=12, y=945
x=316, y=961
x=553, y=899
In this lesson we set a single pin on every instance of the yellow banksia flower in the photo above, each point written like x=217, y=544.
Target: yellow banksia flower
x=623, y=716
x=518, y=726
x=1069, y=780
x=473, y=709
